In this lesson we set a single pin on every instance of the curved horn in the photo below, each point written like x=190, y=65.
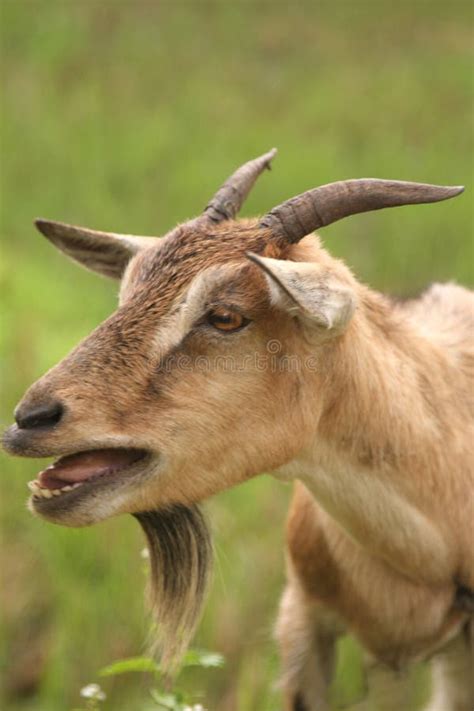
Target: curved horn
x=230, y=197
x=321, y=206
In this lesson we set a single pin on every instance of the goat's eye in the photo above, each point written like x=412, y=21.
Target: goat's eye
x=226, y=320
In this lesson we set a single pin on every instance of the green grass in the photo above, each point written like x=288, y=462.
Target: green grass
x=127, y=116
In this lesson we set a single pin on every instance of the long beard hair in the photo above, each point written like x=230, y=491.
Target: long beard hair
x=180, y=552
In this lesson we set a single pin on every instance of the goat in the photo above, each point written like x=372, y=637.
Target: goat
x=186, y=390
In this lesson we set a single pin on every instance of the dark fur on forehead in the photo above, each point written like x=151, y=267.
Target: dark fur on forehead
x=189, y=249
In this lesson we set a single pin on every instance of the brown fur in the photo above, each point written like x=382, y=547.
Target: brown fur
x=379, y=533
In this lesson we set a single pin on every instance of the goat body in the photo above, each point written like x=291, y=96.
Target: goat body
x=373, y=420
x=380, y=535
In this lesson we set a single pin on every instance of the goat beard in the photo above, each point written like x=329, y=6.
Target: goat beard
x=180, y=552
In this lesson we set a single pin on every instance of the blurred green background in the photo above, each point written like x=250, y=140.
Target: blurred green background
x=126, y=116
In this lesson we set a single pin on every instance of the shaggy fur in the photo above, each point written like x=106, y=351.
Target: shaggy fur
x=180, y=561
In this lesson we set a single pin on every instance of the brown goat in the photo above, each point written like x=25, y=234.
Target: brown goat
x=247, y=337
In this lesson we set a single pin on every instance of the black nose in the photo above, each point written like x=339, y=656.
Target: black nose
x=45, y=415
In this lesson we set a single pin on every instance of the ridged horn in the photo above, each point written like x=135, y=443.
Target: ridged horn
x=231, y=196
x=321, y=206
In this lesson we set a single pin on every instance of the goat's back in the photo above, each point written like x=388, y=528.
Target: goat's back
x=444, y=314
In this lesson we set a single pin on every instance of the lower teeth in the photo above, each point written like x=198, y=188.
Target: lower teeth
x=43, y=493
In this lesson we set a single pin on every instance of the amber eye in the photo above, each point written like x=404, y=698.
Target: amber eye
x=226, y=320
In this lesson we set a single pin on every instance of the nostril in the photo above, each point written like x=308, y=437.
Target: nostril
x=39, y=416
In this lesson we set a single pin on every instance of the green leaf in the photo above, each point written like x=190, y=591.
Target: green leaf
x=166, y=701
x=202, y=658
x=192, y=658
x=133, y=664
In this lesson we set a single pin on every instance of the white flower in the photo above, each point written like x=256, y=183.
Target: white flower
x=145, y=553
x=93, y=691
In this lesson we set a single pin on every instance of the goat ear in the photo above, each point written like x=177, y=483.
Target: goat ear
x=309, y=292
x=104, y=252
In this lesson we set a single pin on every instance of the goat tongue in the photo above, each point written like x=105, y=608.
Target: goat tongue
x=82, y=466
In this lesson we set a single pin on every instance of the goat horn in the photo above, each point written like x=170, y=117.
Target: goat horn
x=230, y=197
x=321, y=206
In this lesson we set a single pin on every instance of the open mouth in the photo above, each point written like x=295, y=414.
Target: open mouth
x=84, y=469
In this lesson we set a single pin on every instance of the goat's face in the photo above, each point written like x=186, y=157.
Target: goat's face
x=199, y=380
x=184, y=390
